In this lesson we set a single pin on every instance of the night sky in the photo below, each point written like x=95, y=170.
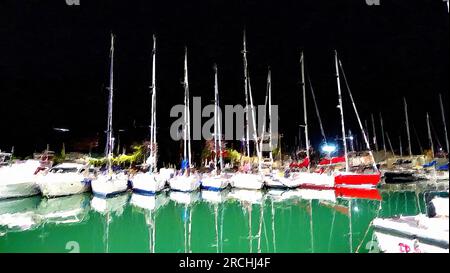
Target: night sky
x=54, y=62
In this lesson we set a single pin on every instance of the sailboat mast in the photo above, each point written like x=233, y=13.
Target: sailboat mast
x=401, y=146
x=390, y=144
x=407, y=127
x=186, y=108
x=247, y=129
x=270, y=118
x=215, y=117
x=255, y=135
x=188, y=112
x=153, y=109
x=263, y=128
x=382, y=136
x=305, y=116
x=344, y=139
x=443, y=119
x=374, y=133
x=430, y=138
x=109, y=131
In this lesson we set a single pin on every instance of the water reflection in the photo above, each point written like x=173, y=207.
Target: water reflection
x=206, y=221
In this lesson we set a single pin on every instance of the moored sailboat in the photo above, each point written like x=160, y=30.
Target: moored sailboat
x=151, y=182
x=186, y=180
x=110, y=183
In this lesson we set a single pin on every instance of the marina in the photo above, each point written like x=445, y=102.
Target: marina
x=205, y=134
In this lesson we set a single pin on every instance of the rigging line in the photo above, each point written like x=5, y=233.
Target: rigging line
x=317, y=108
x=359, y=120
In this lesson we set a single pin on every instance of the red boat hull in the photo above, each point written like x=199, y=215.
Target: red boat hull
x=369, y=180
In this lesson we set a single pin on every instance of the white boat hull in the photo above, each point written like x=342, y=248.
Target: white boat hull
x=184, y=183
x=215, y=182
x=19, y=180
x=52, y=185
x=412, y=234
x=306, y=179
x=148, y=183
x=247, y=181
x=106, y=186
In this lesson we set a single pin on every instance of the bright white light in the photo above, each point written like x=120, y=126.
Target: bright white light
x=328, y=148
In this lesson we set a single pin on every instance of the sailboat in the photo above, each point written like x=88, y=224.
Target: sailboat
x=186, y=181
x=349, y=178
x=151, y=182
x=246, y=179
x=110, y=183
x=215, y=181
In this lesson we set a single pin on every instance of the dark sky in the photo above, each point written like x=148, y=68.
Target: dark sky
x=54, y=63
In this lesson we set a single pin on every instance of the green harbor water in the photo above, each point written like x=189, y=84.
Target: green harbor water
x=296, y=221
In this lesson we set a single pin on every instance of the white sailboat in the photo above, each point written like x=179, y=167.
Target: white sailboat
x=151, y=182
x=109, y=183
x=186, y=181
x=248, y=179
x=303, y=178
x=216, y=181
x=66, y=179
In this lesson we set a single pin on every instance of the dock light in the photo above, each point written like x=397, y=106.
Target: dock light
x=328, y=148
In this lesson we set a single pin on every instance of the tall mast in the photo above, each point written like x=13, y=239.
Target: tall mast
x=401, y=146
x=255, y=134
x=366, y=139
x=443, y=119
x=247, y=133
x=109, y=130
x=219, y=123
x=374, y=133
x=153, y=110
x=390, y=144
x=215, y=117
x=430, y=138
x=344, y=139
x=407, y=127
x=187, y=116
x=270, y=117
x=382, y=136
x=305, y=116
x=263, y=128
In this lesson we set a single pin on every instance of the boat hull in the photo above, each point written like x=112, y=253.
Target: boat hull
x=247, y=181
x=214, y=183
x=184, y=183
x=53, y=185
x=148, y=183
x=107, y=186
x=357, y=180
